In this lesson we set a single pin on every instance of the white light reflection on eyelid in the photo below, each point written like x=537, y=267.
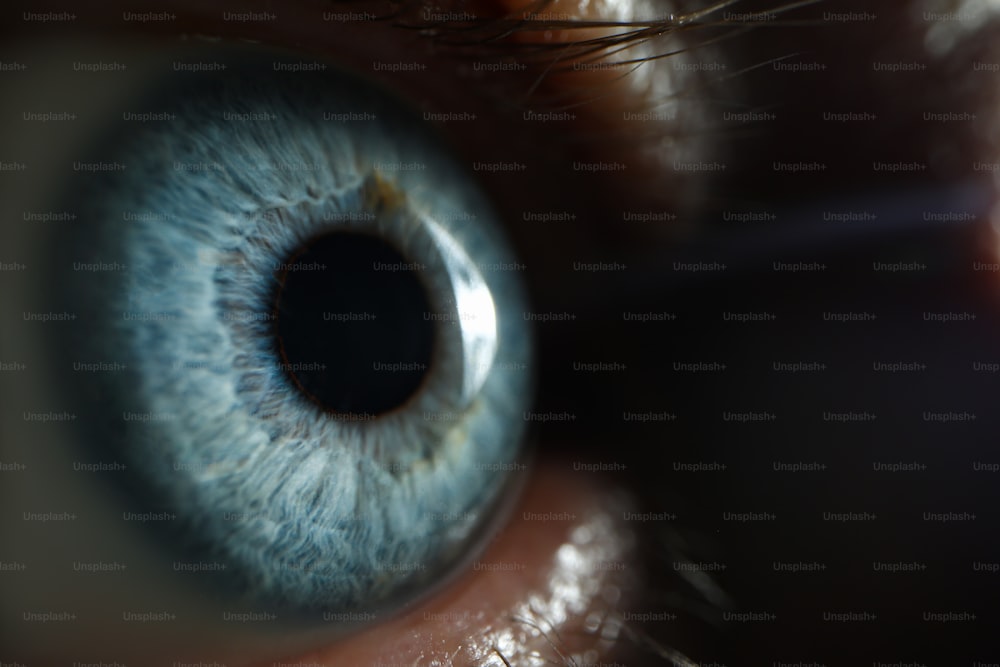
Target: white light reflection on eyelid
x=664, y=89
x=574, y=618
x=658, y=80
x=654, y=81
x=949, y=21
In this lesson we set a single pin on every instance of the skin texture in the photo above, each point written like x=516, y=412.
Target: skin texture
x=477, y=618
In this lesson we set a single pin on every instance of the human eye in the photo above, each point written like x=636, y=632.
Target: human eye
x=215, y=495
x=579, y=158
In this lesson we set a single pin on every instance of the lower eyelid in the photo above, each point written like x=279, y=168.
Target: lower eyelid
x=552, y=581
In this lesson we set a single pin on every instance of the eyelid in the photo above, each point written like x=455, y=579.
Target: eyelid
x=522, y=98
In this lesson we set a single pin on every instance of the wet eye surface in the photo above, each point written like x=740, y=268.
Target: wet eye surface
x=324, y=370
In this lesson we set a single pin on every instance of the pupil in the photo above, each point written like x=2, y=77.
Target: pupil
x=352, y=329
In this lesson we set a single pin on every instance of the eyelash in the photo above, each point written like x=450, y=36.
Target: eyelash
x=494, y=36
x=553, y=78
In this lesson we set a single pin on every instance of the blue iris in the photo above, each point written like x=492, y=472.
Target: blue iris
x=308, y=509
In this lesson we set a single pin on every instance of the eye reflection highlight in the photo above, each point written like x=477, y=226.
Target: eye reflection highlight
x=474, y=310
